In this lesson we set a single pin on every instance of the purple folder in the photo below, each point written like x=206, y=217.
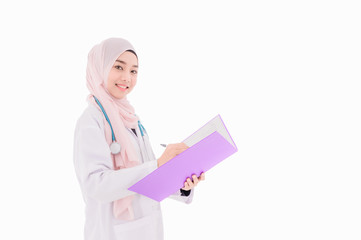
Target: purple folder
x=200, y=157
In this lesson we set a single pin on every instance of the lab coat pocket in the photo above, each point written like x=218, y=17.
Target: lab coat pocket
x=149, y=227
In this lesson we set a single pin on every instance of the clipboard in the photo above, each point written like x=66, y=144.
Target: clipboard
x=208, y=146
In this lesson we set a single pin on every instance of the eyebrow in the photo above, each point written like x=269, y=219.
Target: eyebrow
x=125, y=63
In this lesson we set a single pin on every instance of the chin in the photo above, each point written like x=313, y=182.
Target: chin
x=120, y=97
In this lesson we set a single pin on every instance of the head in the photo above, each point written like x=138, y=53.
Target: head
x=122, y=76
x=112, y=69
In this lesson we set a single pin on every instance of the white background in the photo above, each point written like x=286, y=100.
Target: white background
x=284, y=75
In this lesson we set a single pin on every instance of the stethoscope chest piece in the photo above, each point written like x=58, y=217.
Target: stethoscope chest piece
x=114, y=148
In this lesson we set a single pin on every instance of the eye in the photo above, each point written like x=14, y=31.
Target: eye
x=118, y=67
x=134, y=71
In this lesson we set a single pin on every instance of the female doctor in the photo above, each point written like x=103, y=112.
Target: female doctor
x=112, y=151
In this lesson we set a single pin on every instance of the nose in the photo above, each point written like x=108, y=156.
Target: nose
x=126, y=77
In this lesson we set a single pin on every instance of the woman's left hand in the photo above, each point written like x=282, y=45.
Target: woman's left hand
x=191, y=183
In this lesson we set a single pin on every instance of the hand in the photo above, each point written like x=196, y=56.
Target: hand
x=171, y=151
x=189, y=184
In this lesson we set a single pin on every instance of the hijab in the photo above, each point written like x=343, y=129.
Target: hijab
x=121, y=114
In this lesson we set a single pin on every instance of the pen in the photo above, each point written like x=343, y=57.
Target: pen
x=163, y=145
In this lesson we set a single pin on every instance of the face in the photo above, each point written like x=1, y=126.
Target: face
x=123, y=75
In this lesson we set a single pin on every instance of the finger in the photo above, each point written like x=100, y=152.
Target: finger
x=184, y=145
x=190, y=183
x=187, y=187
x=202, y=177
x=181, y=148
x=195, y=180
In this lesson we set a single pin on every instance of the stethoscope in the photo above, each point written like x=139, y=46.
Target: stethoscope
x=115, y=146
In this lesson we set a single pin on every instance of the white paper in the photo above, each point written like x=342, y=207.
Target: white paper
x=216, y=124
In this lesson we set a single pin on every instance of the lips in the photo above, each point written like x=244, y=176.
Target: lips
x=122, y=87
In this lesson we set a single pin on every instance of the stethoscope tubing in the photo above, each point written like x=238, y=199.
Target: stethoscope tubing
x=106, y=117
x=115, y=146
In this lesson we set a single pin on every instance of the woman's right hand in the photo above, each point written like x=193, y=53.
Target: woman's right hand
x=171, y=151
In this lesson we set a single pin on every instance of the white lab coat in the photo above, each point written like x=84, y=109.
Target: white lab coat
x=101, y=185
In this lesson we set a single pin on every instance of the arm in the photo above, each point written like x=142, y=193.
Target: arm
x=186, y=193
x=94, y=167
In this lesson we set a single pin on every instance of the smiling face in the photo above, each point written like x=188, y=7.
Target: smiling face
x=123, y=75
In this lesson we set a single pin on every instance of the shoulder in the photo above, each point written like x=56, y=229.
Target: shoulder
x=91, y=117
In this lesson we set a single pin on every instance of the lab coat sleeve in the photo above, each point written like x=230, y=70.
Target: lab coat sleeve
x=94, y=167
x=186, y=199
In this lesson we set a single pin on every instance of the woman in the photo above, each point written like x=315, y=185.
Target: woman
x=106, y=170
